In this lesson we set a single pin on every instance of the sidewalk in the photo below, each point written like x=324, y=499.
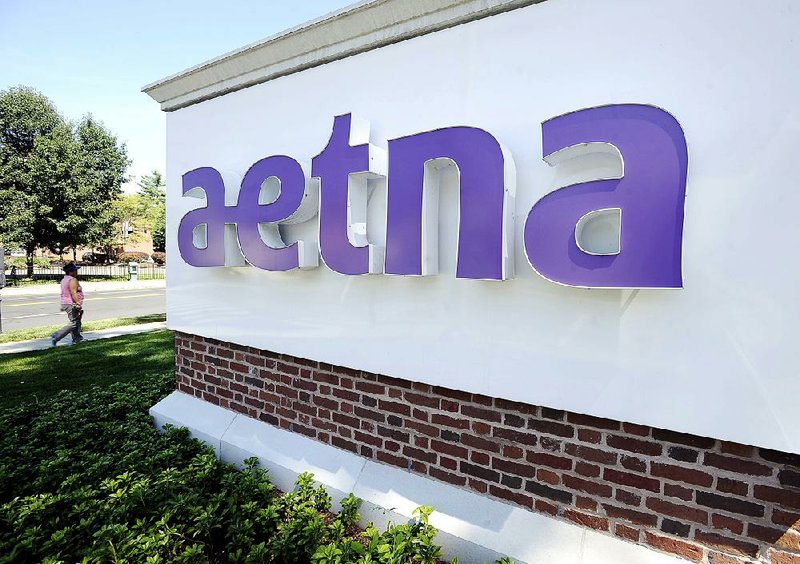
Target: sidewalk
x=88, y=287
x=41, y=344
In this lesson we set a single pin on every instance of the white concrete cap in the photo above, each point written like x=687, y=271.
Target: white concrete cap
x=361, y=27
x=471, y=526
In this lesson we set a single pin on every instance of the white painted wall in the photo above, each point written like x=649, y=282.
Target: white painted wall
x=718, y=358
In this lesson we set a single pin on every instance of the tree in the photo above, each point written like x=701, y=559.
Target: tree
x=27, y=120
x=153, y=194
x=58, y=181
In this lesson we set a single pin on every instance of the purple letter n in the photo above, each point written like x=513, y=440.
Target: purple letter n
x=486, y=205
x=648, y=198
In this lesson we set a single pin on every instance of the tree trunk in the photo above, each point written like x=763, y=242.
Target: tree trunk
x=29, y=260
x=74, y=255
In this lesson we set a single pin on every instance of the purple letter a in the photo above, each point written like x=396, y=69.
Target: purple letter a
x=647, y=200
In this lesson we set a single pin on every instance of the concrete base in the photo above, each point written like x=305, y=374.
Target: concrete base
x=472, y=527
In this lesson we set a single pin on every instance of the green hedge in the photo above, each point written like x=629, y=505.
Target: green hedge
x=86, y=477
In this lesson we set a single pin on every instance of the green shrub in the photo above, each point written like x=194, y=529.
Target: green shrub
x=86, y=477
x=133, y=256
x=21, y=262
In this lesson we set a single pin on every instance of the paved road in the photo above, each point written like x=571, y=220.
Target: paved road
x=21, y=312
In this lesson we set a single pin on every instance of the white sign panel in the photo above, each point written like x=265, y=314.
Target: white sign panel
x=581, y=205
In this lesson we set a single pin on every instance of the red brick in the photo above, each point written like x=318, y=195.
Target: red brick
x=727, y=485
x=515, y=406
x=548, y=477
x=480, y=413
x=419, y=454
x=551, y=428
x=551, y=444
x=683, y=439
x=730, y=504
x=737, y=449
x=736, y=465
x=626, y=532
x=781, y=496
x=547, y=492
x=593, y=454
x=392, y=459
x=780, y=537
x=682, y=511
x=628, y=498
x=633, y=429
x=447, y=421
x=478, y=486
x=789, y=478
x=591, y=487
x=586, y=503
x=512, y=496
x=786, y=518
x=480, y=458
x=516, y=468
x=726, y=544
x=370, y=387
x=589, y=436
x=637, y=446
x=638, y=517
x=545, y=459
x=780, y=557
x=545, y=507
x=632, y=480
x=681, y=474
x=479, y=443
x=449, y=405
x=422, y=400
x=448, y=463
x=591, y=421
x=590, y=521
x=478, y=471
x=394, y=407
x=674, y=546
x=513, y=436
x=510, y=451
x=481, y=428
x=422, y=428
x=586, y=469
x=724, y=522
x=780, y=457
x=633, y=463
x=720, y=558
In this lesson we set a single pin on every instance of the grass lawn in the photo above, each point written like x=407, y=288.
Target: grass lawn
x=47, y=330
x=32, y=376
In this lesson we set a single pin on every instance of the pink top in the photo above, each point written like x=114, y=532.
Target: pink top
x=66, y=295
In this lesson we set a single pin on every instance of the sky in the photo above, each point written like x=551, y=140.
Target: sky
x=94, y=56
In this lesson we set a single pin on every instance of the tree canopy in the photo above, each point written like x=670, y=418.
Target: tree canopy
x=58, y=180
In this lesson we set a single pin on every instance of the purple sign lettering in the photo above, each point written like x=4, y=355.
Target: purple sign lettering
x=212, y=216
x=639, y=200
x=649, y=199
x=344, y=167
x=486, y=177
x=275, y=256
x=256, y=222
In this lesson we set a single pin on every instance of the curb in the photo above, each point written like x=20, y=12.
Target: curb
x=43, y=344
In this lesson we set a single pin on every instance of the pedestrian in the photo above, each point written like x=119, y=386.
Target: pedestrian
x=72, y=303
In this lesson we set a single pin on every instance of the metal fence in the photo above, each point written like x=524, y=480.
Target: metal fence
x=109, y=272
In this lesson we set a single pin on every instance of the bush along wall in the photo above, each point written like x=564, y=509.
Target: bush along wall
x=87, y=476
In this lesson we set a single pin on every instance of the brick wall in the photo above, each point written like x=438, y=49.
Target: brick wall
x=702, y=499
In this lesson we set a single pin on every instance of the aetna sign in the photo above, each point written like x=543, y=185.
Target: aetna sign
x=638, y=154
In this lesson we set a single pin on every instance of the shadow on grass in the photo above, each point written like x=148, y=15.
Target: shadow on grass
x=32, y=376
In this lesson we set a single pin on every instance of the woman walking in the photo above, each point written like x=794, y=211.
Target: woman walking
x=72, y=303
